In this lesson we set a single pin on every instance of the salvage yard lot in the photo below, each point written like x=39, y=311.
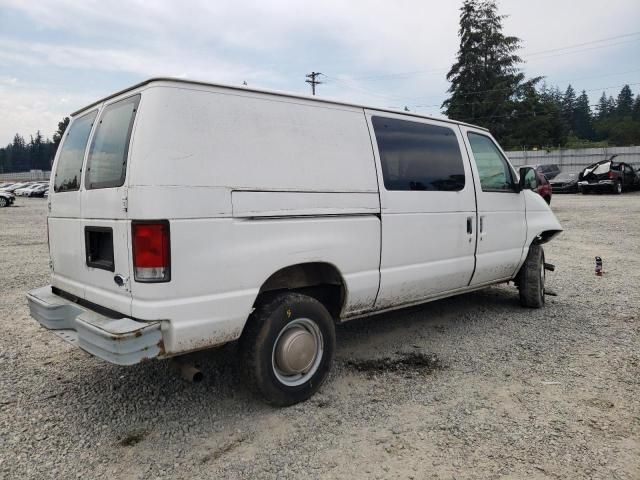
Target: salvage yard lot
x=468, y=387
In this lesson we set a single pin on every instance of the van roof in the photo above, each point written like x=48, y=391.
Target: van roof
x=269, y=92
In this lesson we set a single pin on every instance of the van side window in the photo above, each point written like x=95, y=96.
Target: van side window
x=67, y=176
x=494, y=171
x=418, y=156
x=106, y=166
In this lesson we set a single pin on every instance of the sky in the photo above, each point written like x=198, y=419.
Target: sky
x=57, y=56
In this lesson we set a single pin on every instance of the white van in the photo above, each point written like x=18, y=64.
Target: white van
x=184, y=215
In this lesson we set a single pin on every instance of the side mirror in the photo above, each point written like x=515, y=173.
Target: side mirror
x=528, y=179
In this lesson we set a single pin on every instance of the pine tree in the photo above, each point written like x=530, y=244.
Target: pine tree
x=582, y=117
x=611, y=105
x=568, y=108
x=624, y=105
x=603, y=107
x=635, y=115
x=485, y=79
x=62, y=126
x=38, y=152
x=18, y=156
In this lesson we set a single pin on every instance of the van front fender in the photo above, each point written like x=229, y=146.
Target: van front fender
x=542, y=224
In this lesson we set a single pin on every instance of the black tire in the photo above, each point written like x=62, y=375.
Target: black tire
x=531, y=278
x=4, y=202
x=584, y=191
x=617, y=188
x=265, y=328
x=548, y=200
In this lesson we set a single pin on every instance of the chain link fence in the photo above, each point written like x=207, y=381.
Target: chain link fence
x=32, y=175
x=575, y=160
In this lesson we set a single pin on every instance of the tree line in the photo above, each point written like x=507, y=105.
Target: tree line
x=489, y=89
x=36, y=154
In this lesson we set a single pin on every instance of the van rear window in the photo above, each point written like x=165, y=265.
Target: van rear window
x=67, y=176
x=106, y=166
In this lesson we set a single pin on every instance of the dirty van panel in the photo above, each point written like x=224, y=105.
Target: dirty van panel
x=217, y=139
x=104, y=226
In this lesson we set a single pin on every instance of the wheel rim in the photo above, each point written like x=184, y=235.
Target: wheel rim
x=3, y=202
x=619, y=187
x=297, y=352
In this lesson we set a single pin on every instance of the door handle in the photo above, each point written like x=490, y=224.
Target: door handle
x=470, y=225
x=481, y=224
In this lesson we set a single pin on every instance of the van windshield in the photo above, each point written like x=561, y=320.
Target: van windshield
x=67, y=176
x=106, y=165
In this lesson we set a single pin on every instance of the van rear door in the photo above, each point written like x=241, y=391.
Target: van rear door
x=105, y=224
x=89, y=226
x=63, y=222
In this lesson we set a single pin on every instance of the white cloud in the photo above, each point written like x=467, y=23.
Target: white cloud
x=27, y=109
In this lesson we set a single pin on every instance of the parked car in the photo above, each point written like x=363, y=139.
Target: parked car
x=36, y=190
x=279, y=222
x=25, y=191
x=609, y=176
x=543, y=188
x=6, y=198
x=16, y=186
x=549, y=170
x=565, y=182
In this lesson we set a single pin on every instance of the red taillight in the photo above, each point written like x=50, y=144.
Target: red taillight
x=151, y=252
x=611, y=174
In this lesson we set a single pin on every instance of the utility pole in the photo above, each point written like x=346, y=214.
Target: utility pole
x=312, y=80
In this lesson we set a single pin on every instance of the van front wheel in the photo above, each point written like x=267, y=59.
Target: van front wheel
x=531, y=278
x=287, y=348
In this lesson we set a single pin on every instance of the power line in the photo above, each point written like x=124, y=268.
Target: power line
x=525, y=56
x=585, y=43
x=467, y=93
x=311, y=79
x=584, y=50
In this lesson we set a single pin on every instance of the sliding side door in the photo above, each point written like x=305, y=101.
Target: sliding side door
x=428, y=208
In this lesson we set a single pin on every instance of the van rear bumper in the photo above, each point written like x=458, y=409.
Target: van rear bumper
x=122, y=341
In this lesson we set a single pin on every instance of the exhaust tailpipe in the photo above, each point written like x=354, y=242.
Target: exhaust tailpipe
x=188, y=371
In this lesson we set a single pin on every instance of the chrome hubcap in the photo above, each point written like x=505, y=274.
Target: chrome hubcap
x=297, y=352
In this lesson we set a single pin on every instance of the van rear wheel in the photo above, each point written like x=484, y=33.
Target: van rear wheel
x=531, y=278
x=287, y=348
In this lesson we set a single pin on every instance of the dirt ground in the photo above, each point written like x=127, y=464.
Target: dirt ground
x=469, y=387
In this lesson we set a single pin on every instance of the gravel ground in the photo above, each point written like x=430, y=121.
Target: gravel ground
x=469, y=387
